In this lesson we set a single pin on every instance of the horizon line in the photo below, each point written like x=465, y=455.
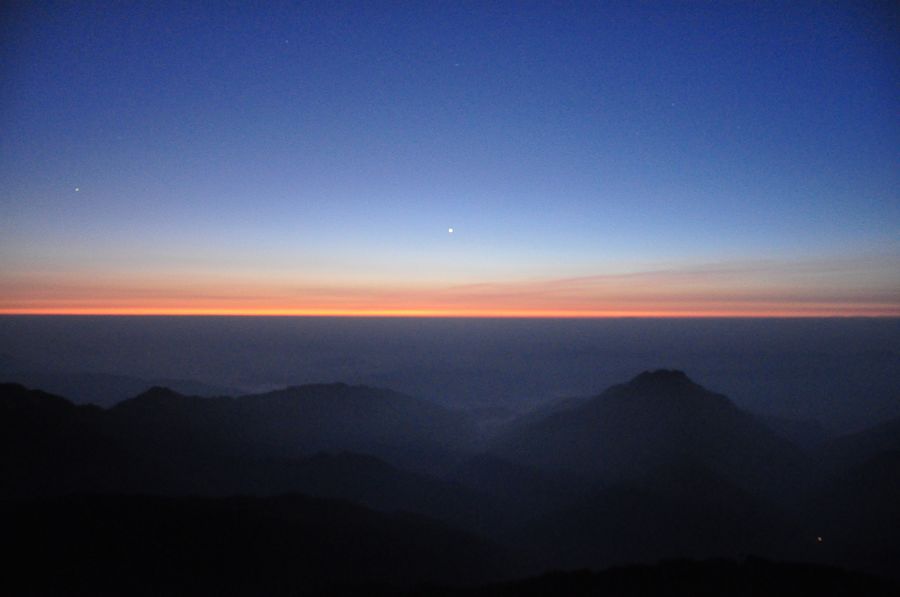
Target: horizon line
x=458, y=314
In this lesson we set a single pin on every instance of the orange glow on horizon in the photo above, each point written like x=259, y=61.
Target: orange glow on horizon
x=855, y=289
x=457, y=313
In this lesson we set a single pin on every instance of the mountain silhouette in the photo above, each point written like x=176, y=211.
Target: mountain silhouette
x=102, y=389
x=658, y=467
x=164, y=443
x=302, y=420
x=49, y=446
x=658, y=418
x=808, y=435
x=854, y=449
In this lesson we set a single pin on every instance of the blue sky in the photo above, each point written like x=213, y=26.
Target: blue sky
x=331, y=145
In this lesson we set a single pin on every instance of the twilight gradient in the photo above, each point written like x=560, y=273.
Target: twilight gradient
x=591, y=158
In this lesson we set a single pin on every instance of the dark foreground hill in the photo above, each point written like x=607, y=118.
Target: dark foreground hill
x=688, y=578
x=294, y=545
x=289, y=545
x=687, y=513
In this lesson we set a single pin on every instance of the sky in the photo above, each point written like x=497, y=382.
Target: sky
x=591, y=159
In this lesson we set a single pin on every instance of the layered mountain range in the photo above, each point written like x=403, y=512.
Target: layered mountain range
x=658, y=467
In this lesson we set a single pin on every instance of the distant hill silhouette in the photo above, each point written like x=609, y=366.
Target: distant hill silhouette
x=808, y=435
x=524, y=491
x=854, y=449
x=657, y=419
x=102, y=389
x=162, y=442
x=302, y=420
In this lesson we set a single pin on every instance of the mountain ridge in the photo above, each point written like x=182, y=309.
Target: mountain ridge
x=657, y=418
x=663, y=467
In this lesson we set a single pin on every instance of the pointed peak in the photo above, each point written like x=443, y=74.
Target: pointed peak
x=152, y=398
x=659, y=383
x=668, y=377
x=666, y=384
x=159, y=392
